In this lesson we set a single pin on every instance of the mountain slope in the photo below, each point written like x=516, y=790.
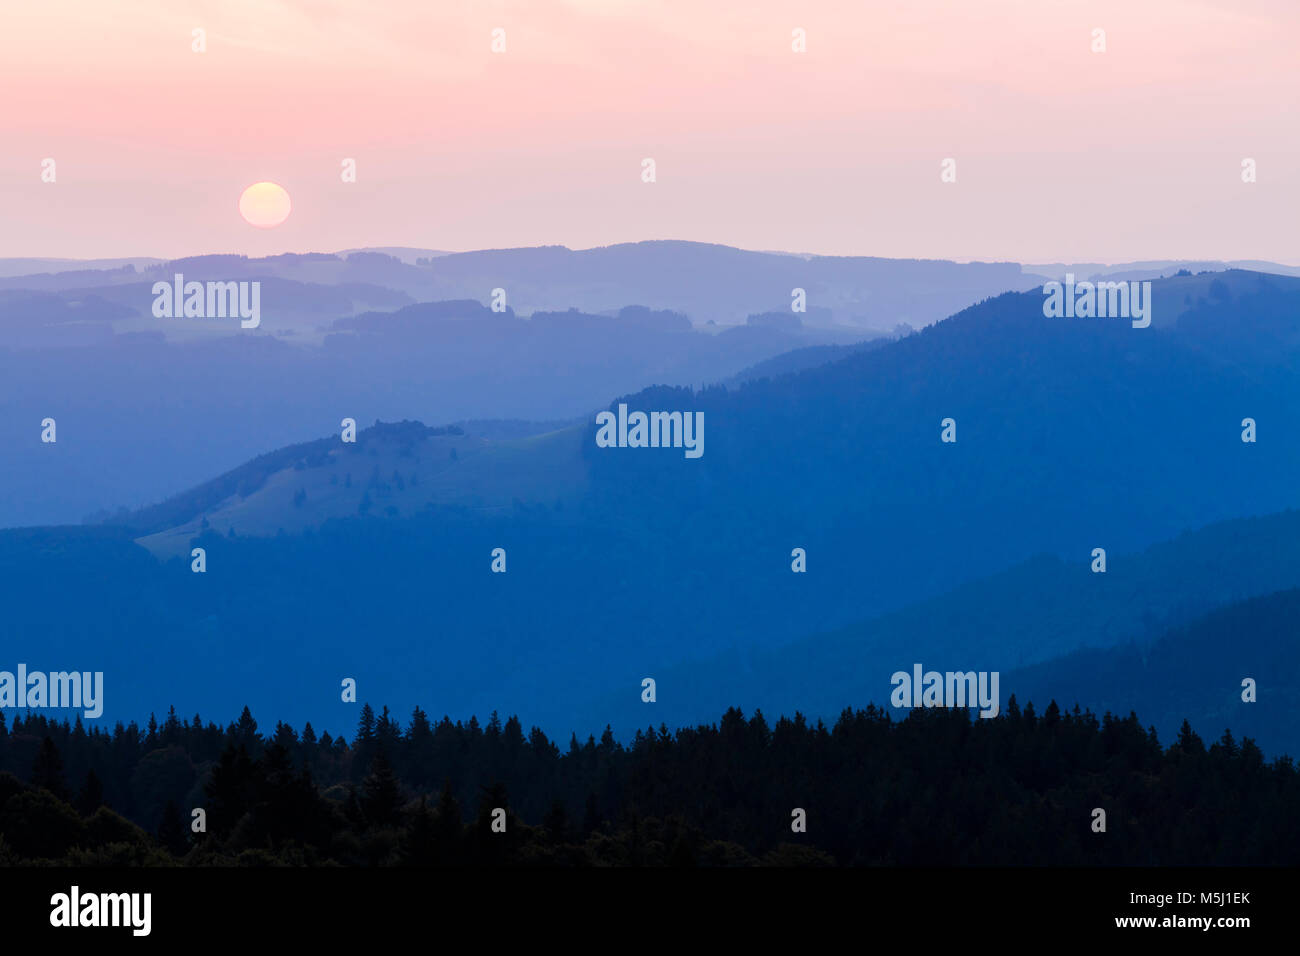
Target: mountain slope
x=1072, y=435
x=1032, y=623
x=1194, y=673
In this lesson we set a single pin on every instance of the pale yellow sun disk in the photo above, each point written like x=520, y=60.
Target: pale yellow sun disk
x=264, y=205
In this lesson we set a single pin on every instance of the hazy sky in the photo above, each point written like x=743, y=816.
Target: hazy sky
x=1061, y=153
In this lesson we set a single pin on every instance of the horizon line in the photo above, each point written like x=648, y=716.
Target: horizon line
x=438, y=253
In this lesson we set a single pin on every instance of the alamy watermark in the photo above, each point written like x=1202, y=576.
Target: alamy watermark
x=37, y=690
x=208, y=300
x=77, y=909
x=653, y=430
x=1121, y=300
x=950, y=689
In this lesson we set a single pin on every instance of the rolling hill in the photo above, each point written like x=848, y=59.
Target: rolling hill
x=627, y=563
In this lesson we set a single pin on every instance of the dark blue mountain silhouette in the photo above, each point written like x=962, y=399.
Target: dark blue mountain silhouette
x=1072, y=434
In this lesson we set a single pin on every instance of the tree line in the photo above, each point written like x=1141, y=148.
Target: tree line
x=935, y=788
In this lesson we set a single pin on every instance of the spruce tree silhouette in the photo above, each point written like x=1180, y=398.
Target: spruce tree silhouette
x=449, y=832
x=47, y=769
x=363, y=747
x=244, y=731
x=381, y=791
x=230, y=790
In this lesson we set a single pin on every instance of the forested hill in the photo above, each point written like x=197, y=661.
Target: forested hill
x=374, y=560
x=937, y=788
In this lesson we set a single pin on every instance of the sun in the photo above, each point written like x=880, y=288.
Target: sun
x=264, y=205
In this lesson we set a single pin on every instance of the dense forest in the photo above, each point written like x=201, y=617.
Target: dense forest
x=938, y=787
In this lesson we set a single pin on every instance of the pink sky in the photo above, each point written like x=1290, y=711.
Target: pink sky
x=1061, y=153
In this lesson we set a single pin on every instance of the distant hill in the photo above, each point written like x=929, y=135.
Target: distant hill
x=392, y=470
x=496, y=429
x=114, y=391
x=628, y=563
x=723, y=284
x=704, y=281
x=708, y=282
x=1055, y=630
x=407, y=254
x=1194, y=673
x=798, y=360
x=36, y=267
x=1154, y=269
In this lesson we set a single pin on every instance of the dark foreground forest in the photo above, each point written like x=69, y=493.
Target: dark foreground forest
x=938, y=787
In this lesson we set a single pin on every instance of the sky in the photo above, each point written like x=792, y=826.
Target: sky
x=1061, y=153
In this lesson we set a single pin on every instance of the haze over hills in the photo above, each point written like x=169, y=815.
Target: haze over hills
x=79, y=343
x=1003, y=355
x=1013, y=377
x=1154, y=269
x=710, y=283
x=1196, y=673
x=352, y=337
x=35, y=267
x=338, y=338
x=140, y=418
x=1056, y=630
x=408, y=254
x=626, y=563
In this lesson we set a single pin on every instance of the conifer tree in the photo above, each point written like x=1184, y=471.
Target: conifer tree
x=381, y=792
x=47, y=769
